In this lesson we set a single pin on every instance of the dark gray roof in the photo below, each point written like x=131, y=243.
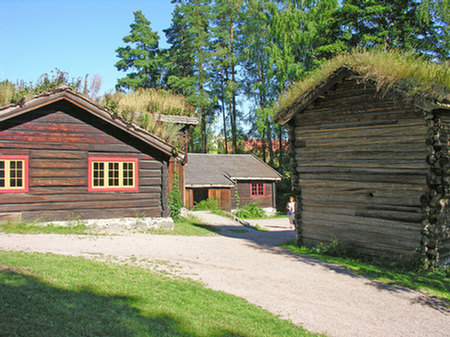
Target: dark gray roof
x=221, y=170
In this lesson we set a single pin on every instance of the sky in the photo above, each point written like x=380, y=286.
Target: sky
x=79, y=37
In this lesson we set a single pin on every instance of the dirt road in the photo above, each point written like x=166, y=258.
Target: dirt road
x=319, y=296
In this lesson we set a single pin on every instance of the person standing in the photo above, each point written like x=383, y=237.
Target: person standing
x=291, y=211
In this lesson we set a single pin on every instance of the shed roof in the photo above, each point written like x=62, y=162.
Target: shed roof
x=221, y=170
x=65, y=93
x=424, y=83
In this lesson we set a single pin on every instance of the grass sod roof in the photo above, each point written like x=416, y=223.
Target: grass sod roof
x=406, y=75
x=62, y=91
x=157, y=111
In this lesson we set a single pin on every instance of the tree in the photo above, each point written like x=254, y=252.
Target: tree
x=404, y=24
x=190, y=28
x=140, y=56
x=226, y=19
x=258, y=70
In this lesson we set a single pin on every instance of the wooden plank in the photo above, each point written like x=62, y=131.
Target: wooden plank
x=24, y=198
x=403, y=179
x=143, y=181
x=413, y=215
x=63, y=215
x=36, y=190
x=20, y=144
x=84, y=205
x=404, y=127
x=58, y=181
x=58, y=164
x=57, y=172
x=60, y=155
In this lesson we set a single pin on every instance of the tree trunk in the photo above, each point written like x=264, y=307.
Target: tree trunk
x=224, y=113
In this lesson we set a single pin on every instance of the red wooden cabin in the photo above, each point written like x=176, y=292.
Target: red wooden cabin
x=64, y=156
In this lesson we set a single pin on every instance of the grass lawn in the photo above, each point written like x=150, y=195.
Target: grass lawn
x=435, y=283
x=183, y=226
x=51, y=295
x=34, y=228
x=189, y=226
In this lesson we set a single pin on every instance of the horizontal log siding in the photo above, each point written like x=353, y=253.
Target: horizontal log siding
x=245, y=198
x=58, y=146
x=361, y=165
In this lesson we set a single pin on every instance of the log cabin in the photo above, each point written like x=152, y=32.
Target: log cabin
x=370, y=163
x=234, y=180
x=63, y=156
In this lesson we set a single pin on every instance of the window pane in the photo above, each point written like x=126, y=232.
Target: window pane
x=12, y=165
x=2, y=182
x=19, y=182
x=19, y=164
x=2, y=164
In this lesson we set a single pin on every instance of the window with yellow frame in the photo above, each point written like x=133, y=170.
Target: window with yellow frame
x=13, y=174
x=113, y=174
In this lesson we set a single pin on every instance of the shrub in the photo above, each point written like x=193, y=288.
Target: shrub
x=207, y=205
x=250, y=211
x=175, y=202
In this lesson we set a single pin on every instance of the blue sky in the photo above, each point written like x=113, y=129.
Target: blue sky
x=79, y=37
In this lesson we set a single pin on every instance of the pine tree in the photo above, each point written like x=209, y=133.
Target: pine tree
x=403, y=24
x=190, y=29
x=226, y=19
x=140, y=57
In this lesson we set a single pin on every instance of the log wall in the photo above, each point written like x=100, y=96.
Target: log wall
x=359, y=170
x=58, y=139
x=243, y=190
x=435, y=203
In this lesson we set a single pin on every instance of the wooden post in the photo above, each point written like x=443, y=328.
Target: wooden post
x=165, y=189
x=295, y=183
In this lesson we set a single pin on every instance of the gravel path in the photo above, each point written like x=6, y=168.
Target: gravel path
x=319, y=296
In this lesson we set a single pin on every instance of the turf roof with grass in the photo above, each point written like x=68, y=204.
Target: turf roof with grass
x=406, y=75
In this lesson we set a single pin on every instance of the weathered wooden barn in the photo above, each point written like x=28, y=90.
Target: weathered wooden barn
x=370, y=167
x=233, y=179
x=62, y=156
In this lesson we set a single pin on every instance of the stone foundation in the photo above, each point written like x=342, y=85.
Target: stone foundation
x=118, y=224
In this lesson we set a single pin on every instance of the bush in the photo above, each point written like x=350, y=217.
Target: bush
x=175, y=202
x=207, y=205
x=250, y=211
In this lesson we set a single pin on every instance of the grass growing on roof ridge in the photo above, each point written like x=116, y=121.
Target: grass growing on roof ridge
x=141, y=105
x=51, y=295
x=148, y=101
x=416, y=77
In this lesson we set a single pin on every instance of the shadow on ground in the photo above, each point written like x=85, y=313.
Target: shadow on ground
x=270, y=241
x=30, y=307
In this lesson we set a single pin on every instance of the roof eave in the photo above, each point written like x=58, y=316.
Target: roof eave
x=97, y=110
x=301, y=102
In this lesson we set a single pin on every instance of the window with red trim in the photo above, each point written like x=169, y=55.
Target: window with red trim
x=112, y=174
x=257, y=190
x=13, y=174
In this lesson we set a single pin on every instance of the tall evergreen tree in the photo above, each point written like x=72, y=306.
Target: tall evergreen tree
x=190, y=28
x=140, y=56
x=226, y=19
x=404, y=24
x=258, y=69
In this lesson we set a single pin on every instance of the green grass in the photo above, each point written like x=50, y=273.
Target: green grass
x=435, y=283
x=418, y=79
x=33, y=228
x=51, y=295
x=189, y=226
